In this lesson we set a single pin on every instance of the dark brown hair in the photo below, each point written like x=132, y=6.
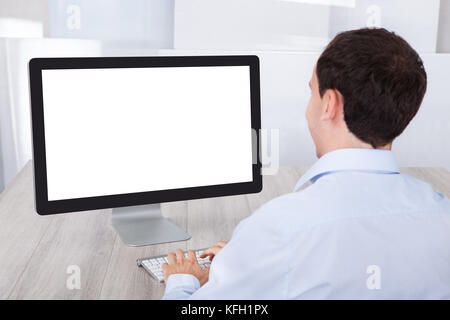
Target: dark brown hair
x=381, y=78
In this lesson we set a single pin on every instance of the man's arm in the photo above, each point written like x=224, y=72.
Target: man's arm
x=180, y=286
x=253, y=265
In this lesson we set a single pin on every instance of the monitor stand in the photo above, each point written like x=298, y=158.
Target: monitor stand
x=145, y=225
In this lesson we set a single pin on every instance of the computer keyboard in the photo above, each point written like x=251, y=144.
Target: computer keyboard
x=153, y=265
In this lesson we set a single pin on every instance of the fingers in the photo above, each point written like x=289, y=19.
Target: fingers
x=211, y=251
x=207, y=252
x=221, y=243
x=180, y=255
x=210, y=255
x=191, y=256
x=171, y=257
x=214, y=249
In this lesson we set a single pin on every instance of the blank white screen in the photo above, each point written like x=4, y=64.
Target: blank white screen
x=125, y=130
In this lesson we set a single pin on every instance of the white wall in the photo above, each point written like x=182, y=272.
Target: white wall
x=443, y=41
x=285, y=94
x=117, y=22
x=300, y=25
x=15, y=125
x=426, y=141
x=415, y=20
x=250, y=25
x=24, y=18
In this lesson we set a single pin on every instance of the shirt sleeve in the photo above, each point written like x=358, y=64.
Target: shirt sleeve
x=180, y=286
x=252, y=265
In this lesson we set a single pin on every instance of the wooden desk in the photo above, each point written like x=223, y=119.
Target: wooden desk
x=35, y=251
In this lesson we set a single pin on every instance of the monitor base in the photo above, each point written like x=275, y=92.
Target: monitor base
x=145, y=225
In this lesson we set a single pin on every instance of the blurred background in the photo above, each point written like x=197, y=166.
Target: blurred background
x=287, y=35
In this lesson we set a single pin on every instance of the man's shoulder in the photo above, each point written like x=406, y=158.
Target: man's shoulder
x=289, y=210
x=342, y=196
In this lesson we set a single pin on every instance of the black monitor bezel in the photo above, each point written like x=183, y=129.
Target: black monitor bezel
x=46, y=207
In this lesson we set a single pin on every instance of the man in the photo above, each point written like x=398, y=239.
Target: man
x=361, y=230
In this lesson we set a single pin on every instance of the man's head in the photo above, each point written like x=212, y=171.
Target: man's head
x=366, y=87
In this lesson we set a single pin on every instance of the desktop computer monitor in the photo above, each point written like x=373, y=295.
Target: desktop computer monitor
x=129, y=133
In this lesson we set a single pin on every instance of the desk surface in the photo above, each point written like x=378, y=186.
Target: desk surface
x=35, y=251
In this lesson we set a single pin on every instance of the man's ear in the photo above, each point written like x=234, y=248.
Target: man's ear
x=333, y=105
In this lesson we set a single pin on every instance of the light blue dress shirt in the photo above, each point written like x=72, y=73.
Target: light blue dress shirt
x=361, y=230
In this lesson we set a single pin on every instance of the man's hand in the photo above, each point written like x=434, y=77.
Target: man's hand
x=211, y=252
x=179, y=264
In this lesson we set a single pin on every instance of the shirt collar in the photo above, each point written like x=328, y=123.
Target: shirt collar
x=366, y=160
